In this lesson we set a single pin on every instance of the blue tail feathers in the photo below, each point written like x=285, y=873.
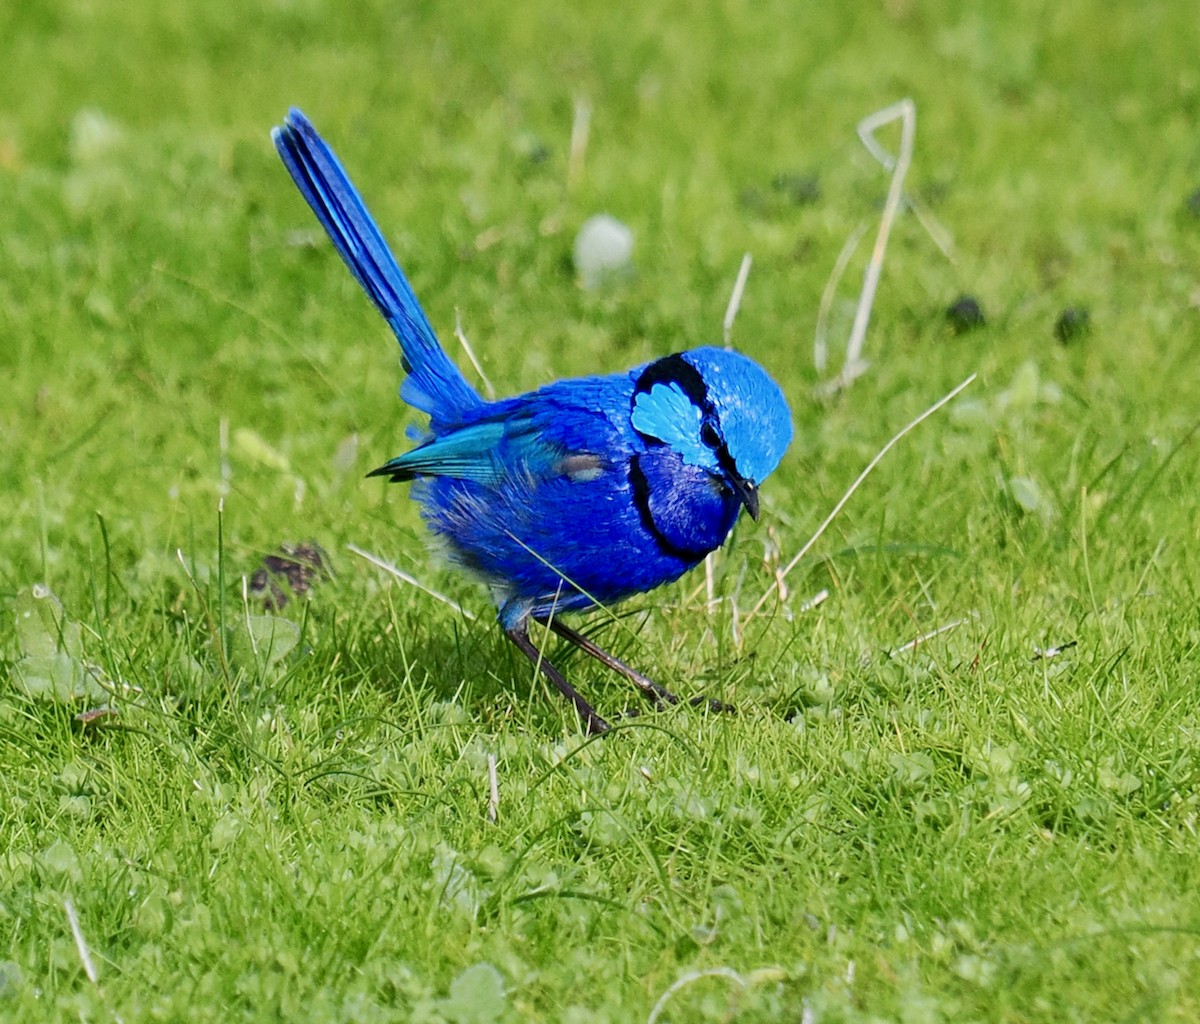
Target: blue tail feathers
x=434, y=385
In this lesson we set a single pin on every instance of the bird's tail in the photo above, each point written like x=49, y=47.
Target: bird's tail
x=434, y=384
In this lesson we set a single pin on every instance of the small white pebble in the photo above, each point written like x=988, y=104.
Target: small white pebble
x=603, y=250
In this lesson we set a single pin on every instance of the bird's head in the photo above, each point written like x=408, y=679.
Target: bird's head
x=719, y=411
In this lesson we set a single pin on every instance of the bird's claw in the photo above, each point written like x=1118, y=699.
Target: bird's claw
x=714, y=705
x=596, y=726
x=668, y=699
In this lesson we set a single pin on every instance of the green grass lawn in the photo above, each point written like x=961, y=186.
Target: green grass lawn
x=287, y=816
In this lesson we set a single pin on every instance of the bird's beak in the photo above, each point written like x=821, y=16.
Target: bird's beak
x=747, y=492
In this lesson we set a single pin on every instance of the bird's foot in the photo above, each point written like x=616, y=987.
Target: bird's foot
x=714, y=705
x=669, y=700
x=662, y=698
x=659, y=696
x=594, y=725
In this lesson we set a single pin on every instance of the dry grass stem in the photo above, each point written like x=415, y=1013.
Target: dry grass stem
x=911, y=425
x=400, y=574
x=735, y=299
x=461, y=335
x=85, y=955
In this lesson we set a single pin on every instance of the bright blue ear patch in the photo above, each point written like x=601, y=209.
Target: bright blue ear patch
x=667, y=414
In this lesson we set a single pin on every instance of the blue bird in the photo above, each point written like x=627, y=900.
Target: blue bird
x=578, y=494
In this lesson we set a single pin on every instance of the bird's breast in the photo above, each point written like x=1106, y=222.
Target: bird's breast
x=682, y=507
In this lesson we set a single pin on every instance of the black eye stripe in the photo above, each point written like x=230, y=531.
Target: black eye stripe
x=725, y=461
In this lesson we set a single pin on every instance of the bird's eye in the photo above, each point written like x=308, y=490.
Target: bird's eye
x=709, y=435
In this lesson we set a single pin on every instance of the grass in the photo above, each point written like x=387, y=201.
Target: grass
x=287, y=818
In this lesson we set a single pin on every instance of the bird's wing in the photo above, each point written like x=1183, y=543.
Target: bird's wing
x=493, y=451
x=434, y=384
x=572, y=428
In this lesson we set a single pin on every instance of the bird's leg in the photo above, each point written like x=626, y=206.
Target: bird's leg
x=659, y=695
x=519, y=635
